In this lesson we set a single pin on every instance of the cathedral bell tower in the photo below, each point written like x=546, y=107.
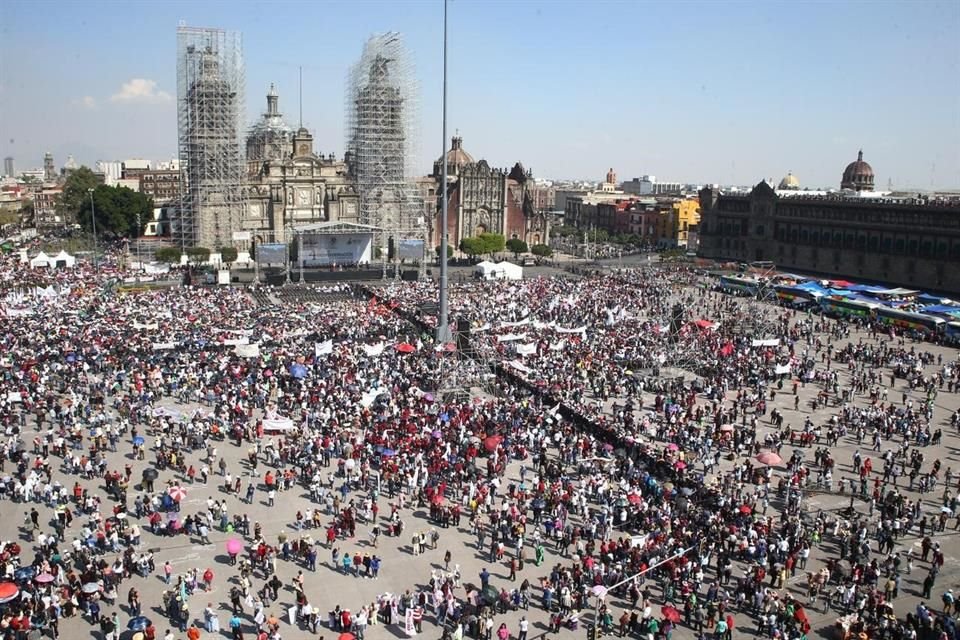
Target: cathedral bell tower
x=302, y=143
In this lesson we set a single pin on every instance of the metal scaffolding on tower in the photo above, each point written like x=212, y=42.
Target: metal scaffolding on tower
x=381, y=111
x=210, y=121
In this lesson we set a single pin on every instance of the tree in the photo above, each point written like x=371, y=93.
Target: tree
x=76, y=196
x=472, y=246
x=492, y=243
x=198, y=255
x=541, y=251
x=118, y=210
x=167, y=254
x=516, y=246
x=27, y=212
x=228, y=254
x=449, y=252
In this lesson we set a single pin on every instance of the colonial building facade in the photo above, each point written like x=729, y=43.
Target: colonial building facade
x=288, y=183
x=908, y=241
x=484, y=199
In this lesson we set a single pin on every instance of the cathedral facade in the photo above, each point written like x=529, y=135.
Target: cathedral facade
x=288, y=183
x=484, y=199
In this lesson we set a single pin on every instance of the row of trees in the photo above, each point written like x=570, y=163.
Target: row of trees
x=491, y=243
x=120, y=212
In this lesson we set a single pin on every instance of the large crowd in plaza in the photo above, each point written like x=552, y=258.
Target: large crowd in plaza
x=621, y=451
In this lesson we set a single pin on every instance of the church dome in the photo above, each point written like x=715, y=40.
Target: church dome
x=457, y=158
x=270, y=138
x=858, y=175
x=789, y=182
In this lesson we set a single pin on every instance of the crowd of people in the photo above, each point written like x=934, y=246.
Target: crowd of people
x=616, y=495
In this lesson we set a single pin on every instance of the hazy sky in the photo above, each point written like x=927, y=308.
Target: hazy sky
x=695, y=92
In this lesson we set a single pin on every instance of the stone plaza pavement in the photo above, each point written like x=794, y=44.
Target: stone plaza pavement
x=401, y=570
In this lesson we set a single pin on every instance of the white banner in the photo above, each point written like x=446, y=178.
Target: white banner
x=519, y=366
x=233, y=342
x=373, y=350
x=520, y=323
x=581, y=330
x=239, y=332
x=277, y=424
x=766, y=343
x=248, y=350
x=366, y=400
x=323, y=348
x=557, y=346
x=511, y=336
x=526, y=349
x=13, y=312
x=150, y=326
x=782, y=369
x=163, y=346
x=14, y=396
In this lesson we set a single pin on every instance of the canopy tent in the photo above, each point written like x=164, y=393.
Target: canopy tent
x=498, y=271
x=42, y=260
x=510, y=271
x=63, y=259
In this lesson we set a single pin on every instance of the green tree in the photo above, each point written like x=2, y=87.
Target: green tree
x=117, y=211
x=198, y=255
x=449, y=251
x=541, y=251
x=76, y=196
x=565, y=230
x=228, y=254
x=27, y=211
x=472, y=246
x=516, y=246
x=492, y=243
x=167, y=254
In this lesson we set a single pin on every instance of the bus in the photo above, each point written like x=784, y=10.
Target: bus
x=742, y=286
x=839, y=306
x=952, y=332
x=796, y=296
x=910, y=320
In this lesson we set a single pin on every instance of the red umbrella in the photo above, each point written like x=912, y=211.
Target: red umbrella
x=403, y=347
x=633, y=498
x=745, y=509
x=769, y=458
x=8, y=591
x=491, y=443
x=178, y=493
x=680, y=465
x=346, y=636
x=671, y=613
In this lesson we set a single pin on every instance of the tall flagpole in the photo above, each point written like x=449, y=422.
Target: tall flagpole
x=443, y=326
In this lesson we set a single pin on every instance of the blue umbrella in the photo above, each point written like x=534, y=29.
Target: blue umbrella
x=25, y=573
x=298, y=371
x=389, y=452
x=138, y=441
x=139, y=623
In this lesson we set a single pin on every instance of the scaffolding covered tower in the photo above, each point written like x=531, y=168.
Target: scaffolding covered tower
x=381, y=115
x=210, y=120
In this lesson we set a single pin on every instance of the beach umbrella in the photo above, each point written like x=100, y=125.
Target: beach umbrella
x=139, y=623
x=492, y=442
x=672, y=447
x=298, y=371
x=405, y=347
x=44, y=578
x=138, y=441
x=634, y=498
x=8, y=591
x=346, y=636
x=670, y=613
x=150, y=474
x=234, y=546
x=769, y=458
x=90, y=587
x=599, y=590
x=178, y=493
x=25, y=573
x=745, y=509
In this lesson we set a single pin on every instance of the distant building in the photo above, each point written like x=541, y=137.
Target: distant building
x=130, y=183
x=858, y=175
x=649, y=186
x=69, y=167
x=789, y=183
x=163, y=186
x=112, y=170
x=686, y=215
x=910, y=241
x=49, y=169
x=8, y=168
x=134, y=168
x=39, y=175
x=484, y=199
x=45, y=207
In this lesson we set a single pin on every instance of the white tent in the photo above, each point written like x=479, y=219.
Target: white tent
x=42, y=260
x=485, y=270
x=509, y=271
x=64, y=257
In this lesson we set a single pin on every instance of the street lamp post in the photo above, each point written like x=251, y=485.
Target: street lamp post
x=443, y=325
x=93, y=220
x=139, y=259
